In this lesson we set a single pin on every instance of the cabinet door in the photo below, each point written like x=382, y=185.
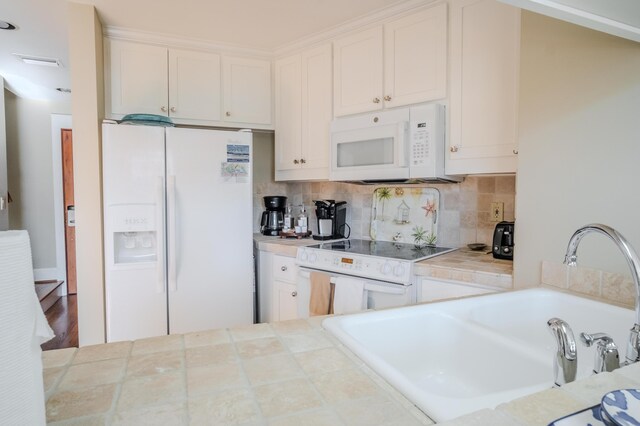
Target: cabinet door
x=247, y=90
x=317, y=83
x=288, y=109
x=194, y=85
x=138, y=78
x=286, y=298
x=485, y=38
x=415, y=57
x=358, y=72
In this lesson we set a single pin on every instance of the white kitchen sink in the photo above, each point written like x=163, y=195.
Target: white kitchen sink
x=452, y=358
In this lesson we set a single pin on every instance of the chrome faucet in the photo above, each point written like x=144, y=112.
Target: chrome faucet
x=570, y=259
x=607, y=357
x=565, y=365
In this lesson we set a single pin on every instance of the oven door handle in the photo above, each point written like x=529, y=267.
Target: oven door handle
x=369, y=285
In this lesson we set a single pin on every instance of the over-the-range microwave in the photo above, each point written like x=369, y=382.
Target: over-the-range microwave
x=400, y=145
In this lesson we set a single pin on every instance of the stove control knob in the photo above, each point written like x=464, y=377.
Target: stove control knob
x=313, y=257
x=336, y=261
x=398, y=270
x=303, y=255
x=386, y=268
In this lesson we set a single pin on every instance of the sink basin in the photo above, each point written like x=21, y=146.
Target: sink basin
x=453, y=358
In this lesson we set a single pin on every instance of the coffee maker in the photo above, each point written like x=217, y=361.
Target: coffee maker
x=332, y=217
x=272, y=220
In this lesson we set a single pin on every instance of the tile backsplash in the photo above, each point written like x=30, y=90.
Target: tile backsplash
x=464, y=207
x=606, y=286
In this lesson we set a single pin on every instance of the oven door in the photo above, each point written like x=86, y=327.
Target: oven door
x=378, y=294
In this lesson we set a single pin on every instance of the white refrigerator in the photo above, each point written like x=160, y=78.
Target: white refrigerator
x=177, y=230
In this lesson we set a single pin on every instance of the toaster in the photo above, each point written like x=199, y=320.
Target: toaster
x=503, y=241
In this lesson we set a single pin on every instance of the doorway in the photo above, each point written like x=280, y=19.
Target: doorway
x=69, y=209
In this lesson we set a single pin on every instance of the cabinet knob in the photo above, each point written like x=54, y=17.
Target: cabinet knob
x=173, y=109
x=296, y=162
x=294, y=294
x=228, y=114
x=454, y=148
x=163, y=108
x=283, y=268
x=376, y=100
x=303, y=161
x=387, y=98
x=515, y=151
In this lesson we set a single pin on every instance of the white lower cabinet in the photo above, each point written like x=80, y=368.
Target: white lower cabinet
x=277, y=287
x=431, y=290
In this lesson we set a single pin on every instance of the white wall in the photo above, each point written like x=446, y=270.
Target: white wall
x=30, y=174
x=87, y=76
x=4, y=210
x=579, y=144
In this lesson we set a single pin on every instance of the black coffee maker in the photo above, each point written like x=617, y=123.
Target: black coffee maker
x=272, y=220
x=332, y=217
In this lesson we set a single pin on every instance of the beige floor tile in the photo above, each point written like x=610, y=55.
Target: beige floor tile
x=373, y=411
x=259, y=347
x=100, y=420
x=291, y=327
x=207, y=355
x=206, y=338
x=50, y=376
x=102, y=352
x=155, y=363
x=224, y=408
x=93, y=374
x=152, y=390
x=271, y=368
x=338, y=386
x=249, y=332
x=172, y=342
x=57, y=357
x=64, y=405
x=322, y=361
x=316, y=322
x=324, y=417
x=166, y=415
x=306, y=341
x=214, y=377
x=282, y=398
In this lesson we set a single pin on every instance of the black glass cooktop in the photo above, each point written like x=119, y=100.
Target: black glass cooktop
x=402, y=251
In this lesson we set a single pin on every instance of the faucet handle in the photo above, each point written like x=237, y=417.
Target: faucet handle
x=607, y=357
x=565, y=365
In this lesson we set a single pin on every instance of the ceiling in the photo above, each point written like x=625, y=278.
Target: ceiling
x=259, y=24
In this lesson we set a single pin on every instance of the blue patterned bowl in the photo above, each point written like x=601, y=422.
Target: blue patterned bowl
x=622, y=407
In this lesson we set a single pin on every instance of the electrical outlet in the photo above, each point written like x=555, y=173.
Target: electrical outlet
x=497, y=212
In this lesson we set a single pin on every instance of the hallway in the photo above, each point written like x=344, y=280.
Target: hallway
x=63, y=319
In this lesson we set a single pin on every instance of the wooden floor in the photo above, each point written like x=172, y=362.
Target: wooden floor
x=63, y=319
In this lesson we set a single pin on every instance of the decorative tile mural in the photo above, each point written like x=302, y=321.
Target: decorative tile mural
x=405, y=214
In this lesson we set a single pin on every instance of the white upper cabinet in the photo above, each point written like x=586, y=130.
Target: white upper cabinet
x=194, y=85
x=138, y=77
x=400, y=63
x=247, y=90
x=189, y=86
x=358, y=64
x=415, y=50
x=485, y=55
x=303, y=115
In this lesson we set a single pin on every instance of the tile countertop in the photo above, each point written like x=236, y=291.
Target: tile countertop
x=478, y=267
x=287, y=373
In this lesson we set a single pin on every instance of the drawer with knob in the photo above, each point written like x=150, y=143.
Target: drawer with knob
x=284, y=268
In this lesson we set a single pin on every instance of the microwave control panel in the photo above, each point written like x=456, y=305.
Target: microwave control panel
x=420, y=145
x=426, y=138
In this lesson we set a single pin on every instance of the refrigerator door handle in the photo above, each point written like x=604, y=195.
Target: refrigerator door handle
x=160, y=284
x=171, y=231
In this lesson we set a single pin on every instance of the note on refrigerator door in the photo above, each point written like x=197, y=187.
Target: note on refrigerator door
x=234, y=172
x=238, y=153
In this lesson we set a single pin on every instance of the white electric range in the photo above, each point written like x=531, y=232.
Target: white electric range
x=385, y=267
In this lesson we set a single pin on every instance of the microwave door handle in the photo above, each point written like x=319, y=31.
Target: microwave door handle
x=402, y=144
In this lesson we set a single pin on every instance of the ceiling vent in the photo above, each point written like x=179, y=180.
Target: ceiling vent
x=39, y=60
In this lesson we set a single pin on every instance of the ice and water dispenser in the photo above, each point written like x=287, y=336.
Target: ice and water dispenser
x=134, y=233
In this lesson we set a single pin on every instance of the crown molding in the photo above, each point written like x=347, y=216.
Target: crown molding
x=180, y=42
x=361, y=22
